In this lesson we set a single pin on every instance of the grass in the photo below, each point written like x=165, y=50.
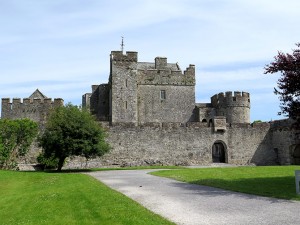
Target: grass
x=126, y=168
x=139, y=168
x=269, y=181
x=66, y=198
x=114, y=168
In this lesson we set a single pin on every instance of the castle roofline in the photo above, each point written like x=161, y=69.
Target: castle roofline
x=37, y=94
x=151, y=66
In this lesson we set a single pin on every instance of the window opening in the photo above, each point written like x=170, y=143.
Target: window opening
x=163, y=94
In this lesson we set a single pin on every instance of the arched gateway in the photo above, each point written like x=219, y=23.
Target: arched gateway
x=219, y=152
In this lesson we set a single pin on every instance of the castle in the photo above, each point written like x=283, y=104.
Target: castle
x=150, y=114
x=141, y=92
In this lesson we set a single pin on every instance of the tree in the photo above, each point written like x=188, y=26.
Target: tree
x=70, y=131
x=16, y=137
x=289, y=82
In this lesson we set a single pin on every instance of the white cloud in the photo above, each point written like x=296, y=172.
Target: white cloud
x=62, y=47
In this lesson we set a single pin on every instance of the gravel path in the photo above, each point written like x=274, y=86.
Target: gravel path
x=190, y=204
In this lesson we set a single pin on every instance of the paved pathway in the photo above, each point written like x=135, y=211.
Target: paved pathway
x=194, y=204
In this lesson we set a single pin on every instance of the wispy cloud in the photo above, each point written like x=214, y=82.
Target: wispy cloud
x=63, y=47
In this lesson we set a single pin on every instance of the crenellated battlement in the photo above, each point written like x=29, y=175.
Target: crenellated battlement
x=46, y=101
x=57, y=101
x=229, y=99
x=190, y=71
x=36, y=109
x=234, y=105
x=128, y=57
x=165, y=74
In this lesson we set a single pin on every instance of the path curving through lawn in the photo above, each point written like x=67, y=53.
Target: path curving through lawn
x=191, y=204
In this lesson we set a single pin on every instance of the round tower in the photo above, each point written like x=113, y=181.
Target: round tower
x=237, y=107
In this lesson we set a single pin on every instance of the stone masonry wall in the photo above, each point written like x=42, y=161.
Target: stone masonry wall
x=35, y=109
x=282, y=146
x=99, y=102
x=284, y=140
x=235, y=106
x=123, y=100
x=177, y=106
x=167, y=76
x=172, y=144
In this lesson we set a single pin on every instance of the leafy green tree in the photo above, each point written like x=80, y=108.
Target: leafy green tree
x=70, y=131
x=289, y=82
x=16, y=137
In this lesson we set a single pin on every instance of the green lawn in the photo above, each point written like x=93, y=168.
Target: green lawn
x=122, y=168
x=270, y=181
x=66, y=198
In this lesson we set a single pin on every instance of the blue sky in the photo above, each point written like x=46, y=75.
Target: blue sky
x=62, y=47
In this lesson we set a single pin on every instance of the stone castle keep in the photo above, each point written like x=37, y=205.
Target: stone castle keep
x=139, y=93
x=150, y=114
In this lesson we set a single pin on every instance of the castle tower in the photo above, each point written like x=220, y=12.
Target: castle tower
x=143, y=92
x=235, y=107
x=123, y=84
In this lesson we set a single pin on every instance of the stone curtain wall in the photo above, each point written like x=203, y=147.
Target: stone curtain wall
x=175, y=144
x=186, y=145
x=284, y=140
x=34, y=109
x=171, y=144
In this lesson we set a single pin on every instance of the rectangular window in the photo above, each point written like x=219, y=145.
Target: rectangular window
x=126, y=83
x=163, y=94
x=125, y=104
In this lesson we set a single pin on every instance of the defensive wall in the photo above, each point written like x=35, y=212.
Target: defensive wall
x=149, y=112
x=35, y=109
x=192, y=144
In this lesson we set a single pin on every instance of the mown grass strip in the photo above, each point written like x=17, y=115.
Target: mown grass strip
x=66, y=198
x=114, y=168
x=270, y=181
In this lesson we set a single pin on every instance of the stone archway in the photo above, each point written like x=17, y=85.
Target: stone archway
x=296, y=155
x=219, y=152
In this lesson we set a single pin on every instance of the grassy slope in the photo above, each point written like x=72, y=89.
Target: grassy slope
x=273, y=181
x=66, y=198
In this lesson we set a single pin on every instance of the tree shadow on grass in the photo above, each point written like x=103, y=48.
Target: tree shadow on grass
x=69, y=171
x=277, y=188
